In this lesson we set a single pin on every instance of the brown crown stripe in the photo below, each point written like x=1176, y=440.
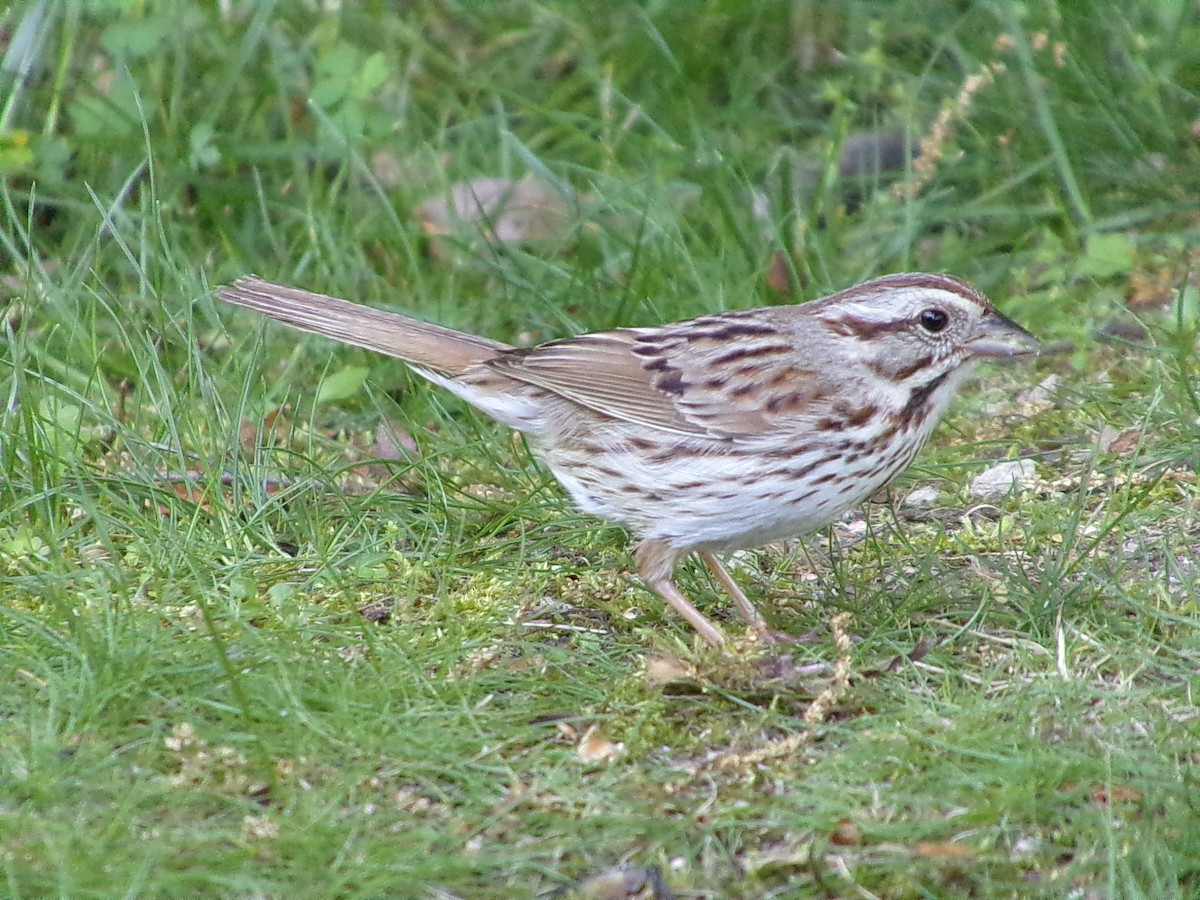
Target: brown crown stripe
x=920, y=280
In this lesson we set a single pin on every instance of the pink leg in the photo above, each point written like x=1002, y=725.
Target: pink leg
x=656, y=562
x=706, y=629
x=752, y=616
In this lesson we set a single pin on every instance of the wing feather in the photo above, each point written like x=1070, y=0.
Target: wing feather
x=696, y=379
x=598, y=371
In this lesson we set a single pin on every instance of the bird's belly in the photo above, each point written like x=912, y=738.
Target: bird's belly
x=728, y=500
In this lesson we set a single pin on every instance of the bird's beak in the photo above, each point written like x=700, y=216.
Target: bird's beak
x=999, y=337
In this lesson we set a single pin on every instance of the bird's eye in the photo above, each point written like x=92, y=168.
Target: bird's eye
x=934, y=320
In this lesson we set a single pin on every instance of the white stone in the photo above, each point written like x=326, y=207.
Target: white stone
x=921, y=497
x=1000, y=479
x=1043, y=394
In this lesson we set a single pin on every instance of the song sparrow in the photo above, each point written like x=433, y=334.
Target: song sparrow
x=710, y=435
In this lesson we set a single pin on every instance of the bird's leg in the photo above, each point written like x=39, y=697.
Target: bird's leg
x=752, y=616
x=656, y=562
x=668, y=591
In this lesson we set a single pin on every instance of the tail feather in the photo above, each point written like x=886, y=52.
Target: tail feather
x=432, y=347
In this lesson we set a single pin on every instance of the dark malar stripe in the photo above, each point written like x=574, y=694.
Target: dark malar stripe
x=918, y=399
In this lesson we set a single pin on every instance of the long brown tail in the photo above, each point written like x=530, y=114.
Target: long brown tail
x=431, y=346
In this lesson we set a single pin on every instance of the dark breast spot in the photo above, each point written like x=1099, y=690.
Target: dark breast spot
x=854, y=418
x=802, y=472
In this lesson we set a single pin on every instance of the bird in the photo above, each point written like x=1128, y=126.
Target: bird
x=715, y=434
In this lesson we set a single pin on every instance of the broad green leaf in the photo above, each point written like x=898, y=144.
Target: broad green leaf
x=342, y=384
x=1106, y=255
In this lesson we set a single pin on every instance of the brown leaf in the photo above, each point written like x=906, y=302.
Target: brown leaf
x=500, y=210
x=943, y=850
x=621, y=882
x=594, y=748
x=664, y=670
x=378, y=613
x=192, y=492
x=276, y=427
x=780, y=276
x=392, y=442
x=1151, y=290
x=196, y=487
x=1105, y=794
x=1124, y=442
x=846, y=834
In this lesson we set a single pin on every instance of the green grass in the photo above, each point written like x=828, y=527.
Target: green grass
x=243, y=657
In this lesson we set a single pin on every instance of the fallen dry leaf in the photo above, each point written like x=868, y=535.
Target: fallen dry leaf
x=594, y=748
x=780, y=275
x=1124, y=442
x=1151, y=290
x=393, y=442
x=378, y=613
x=943, y=850
x=1001, y=479
x=846, y=834
x=621, y=882
x=1118, y=793
x=498, y=210
x=275, y=428
x=664, y=670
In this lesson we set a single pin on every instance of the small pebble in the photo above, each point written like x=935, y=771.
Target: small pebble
x=1043, y=394
x=1000, y=479
x=919, y=498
